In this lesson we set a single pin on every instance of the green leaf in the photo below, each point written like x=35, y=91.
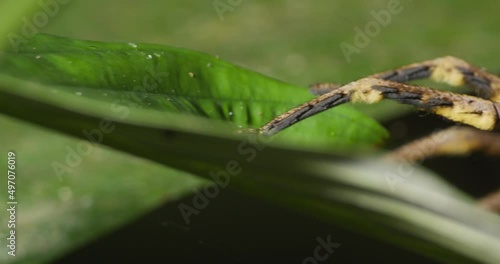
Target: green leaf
x=118, y=81
x=171, y=79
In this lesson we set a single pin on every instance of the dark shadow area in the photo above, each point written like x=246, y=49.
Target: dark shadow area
x=234, y=228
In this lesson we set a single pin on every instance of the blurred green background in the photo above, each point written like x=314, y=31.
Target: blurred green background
x=295, y=41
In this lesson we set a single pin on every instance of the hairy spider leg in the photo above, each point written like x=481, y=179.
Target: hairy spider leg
x=448, y=69
x=470, y=110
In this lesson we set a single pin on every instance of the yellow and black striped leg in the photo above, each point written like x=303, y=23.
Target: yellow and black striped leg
x=447, y=69
x=474, y=111
x=450, y=70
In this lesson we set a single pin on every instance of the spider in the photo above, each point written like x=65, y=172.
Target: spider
x=480, y=112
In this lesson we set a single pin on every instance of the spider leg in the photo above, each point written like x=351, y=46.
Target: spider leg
x=456, y=140
x=491, y=201
x=450, y=70
x=453, y=141
x=474, y=111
